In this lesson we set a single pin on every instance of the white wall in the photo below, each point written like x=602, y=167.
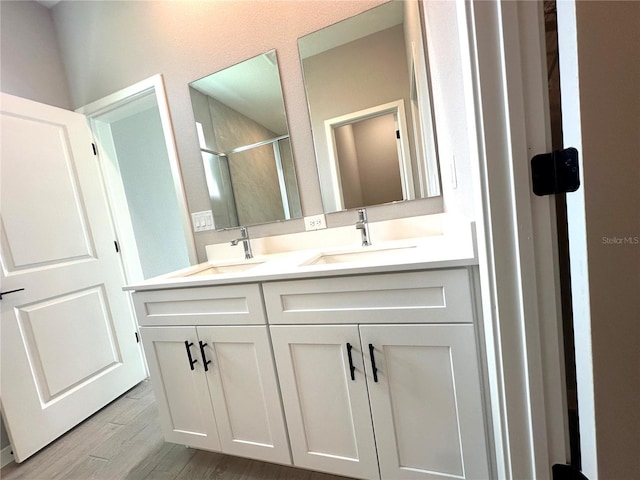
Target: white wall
x=446, y=58
x=148, y=184
x=601, y=117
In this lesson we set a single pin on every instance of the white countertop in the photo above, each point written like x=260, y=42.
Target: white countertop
x=453, y=247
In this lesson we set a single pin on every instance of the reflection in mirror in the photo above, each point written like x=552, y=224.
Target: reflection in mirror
x=369, y=100
x=245, y=146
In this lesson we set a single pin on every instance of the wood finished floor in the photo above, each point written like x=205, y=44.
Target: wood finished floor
x=123, y=441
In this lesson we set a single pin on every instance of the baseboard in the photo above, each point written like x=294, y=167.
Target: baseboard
x=6, y=457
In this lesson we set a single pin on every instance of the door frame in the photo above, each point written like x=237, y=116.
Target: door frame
x=507, y=109
x=404, y=152
x=152, y=87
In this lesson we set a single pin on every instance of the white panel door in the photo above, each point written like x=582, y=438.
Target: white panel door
x=426, y=401
x=68, y=344
x=244, y=392
x=326, y=407
x=180, y=386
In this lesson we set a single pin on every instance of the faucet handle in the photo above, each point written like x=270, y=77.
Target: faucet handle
x=363, y=226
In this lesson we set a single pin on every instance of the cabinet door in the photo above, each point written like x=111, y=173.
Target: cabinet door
x=327, y=411
x=244, y=392
x=186, y=414
x=426, y=401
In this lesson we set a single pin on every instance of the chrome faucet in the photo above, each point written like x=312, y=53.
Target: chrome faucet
x=363, y=226
x=246, y=243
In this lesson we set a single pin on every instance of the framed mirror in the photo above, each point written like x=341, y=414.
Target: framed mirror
x=369, y=99
x=244, y=142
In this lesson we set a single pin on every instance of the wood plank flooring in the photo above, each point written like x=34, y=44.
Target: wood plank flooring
x=123, y=441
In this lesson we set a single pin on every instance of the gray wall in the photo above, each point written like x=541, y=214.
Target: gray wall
x=376, y=143
x=30, y=61
x=372, y=168
x=347, y=154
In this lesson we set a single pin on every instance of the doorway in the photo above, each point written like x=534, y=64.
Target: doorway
x=369, y=157
x=138, y=158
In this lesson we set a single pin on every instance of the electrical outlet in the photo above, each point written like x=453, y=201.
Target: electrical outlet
x=315, y=222
x=202, y=221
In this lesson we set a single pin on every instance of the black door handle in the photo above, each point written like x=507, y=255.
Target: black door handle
x=352, y=369
x=10, y=291
x=204, y=357
x=373, y=363
x=192, y=361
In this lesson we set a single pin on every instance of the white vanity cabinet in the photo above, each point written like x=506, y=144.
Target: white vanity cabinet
x=215, y=385
x=426, y=402
x=415, y=385
x=327, y=407
x=181, y=391
x=377, y=374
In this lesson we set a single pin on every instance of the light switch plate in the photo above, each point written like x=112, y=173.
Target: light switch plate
x=315, y=222
x=202, y=221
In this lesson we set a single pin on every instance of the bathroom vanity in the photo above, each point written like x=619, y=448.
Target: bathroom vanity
x=357, y=361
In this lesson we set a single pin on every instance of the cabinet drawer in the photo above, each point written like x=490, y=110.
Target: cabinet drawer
x=442, y=296
x=228, y=305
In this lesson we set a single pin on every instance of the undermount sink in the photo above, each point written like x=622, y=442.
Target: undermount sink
x=363, y=255
x=224, y=268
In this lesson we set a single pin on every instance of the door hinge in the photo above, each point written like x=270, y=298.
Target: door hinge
x=95, y=150
x=567, y=472
x=555, y=172
x=117, y=246
x=137, y=337
x=398, y=134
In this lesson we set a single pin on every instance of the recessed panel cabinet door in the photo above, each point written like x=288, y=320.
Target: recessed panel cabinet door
x=180, y=386
x=327, y=411
x=244, y=392
x=67, y=330
x=425, y=401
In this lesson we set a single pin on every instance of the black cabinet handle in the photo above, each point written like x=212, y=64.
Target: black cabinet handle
x=192, y=361
x=10, y=291
x=351, y=367
x=373, y=363
x=204, y=357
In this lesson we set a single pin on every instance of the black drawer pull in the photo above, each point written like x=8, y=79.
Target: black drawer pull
x=373, y=363
x=351, y=367
x=204, y=357
x=10, y=291
x=192, y=361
